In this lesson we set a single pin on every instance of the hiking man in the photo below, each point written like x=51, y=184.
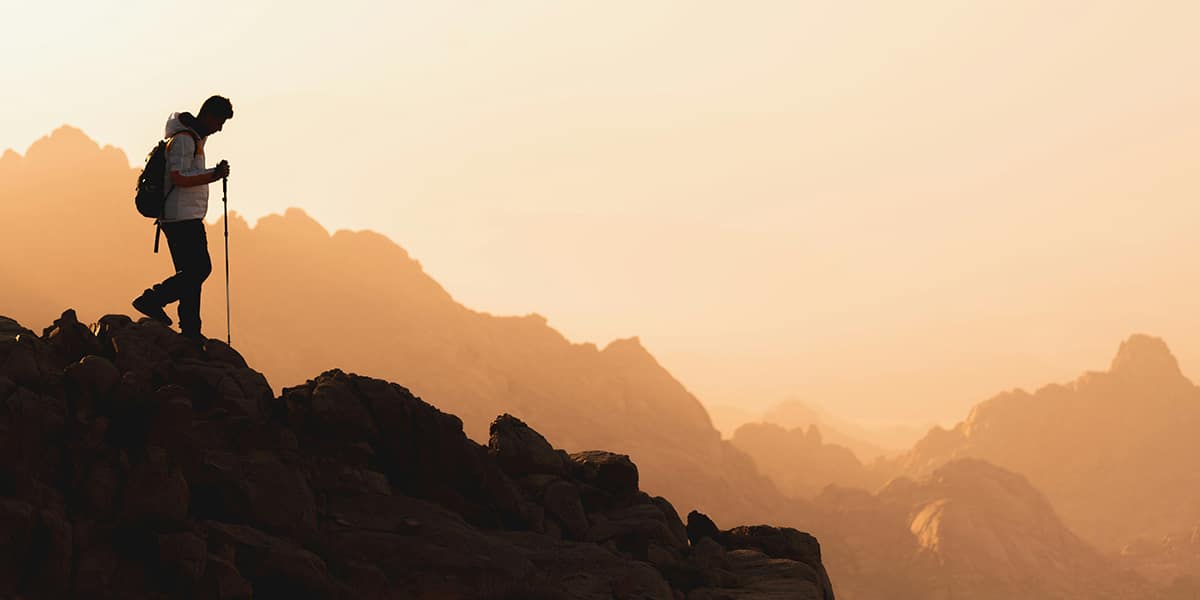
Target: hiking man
x=183, y=214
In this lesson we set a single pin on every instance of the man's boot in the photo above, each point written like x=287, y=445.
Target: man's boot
x=148, y=305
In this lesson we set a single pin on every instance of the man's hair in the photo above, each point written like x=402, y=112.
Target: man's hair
x=217, y=106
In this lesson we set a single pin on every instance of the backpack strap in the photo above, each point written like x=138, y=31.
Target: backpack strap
x=171, y=138
x=192, y=134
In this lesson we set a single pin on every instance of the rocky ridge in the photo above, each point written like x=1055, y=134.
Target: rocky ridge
x=134, y=464
x=799, y=460
x=969, y=529
x=370, y=307
x=1114, y=451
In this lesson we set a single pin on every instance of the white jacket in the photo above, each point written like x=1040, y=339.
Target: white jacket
x=184, y=203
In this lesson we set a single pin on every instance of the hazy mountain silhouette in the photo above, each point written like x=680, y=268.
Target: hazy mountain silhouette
x=968, y=529
x=1116, y=452
x=800, y=462
x=306, y=300
x=867, y=443
x=1173, y=558
x=727, y=419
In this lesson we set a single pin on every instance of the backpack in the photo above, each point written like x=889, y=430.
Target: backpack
x=151, y=198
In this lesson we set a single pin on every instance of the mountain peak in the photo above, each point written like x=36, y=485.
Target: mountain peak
x=1145, y=356
x=69, y=145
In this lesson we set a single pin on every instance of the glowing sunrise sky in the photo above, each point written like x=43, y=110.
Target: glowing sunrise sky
x=892, y=209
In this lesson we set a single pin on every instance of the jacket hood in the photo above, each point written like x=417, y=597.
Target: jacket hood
x=175, y=124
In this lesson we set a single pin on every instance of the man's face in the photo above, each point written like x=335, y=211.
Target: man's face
x=212, y=124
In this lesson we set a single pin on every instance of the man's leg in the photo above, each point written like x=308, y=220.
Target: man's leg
x=194, y=265
x=188, y=243
x=152, y=301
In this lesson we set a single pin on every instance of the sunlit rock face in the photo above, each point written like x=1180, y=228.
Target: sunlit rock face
x=969, y=529
x=1115, y=451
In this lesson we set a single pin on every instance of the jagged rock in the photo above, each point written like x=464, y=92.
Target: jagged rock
x=52, y=554
x=699, y=526
x=275, y=567
x=69, y=339
x=522, y=451
x=611, y=472
x=264, y=491
x=176, y=473
x=708, y=555
x=240, y=391
x=786, y=543
x=428, y=455
x=10, y=329
x=183, y=556
x=217, y=351
x=17, y=521
x=336, y=478
x=674, y=523
x=95, y=375
x=95, y=560
x=588, y=571
x=763, y=577
x=99, y=482
x=335, y=410
x=633, y=529
x=223, y=582
x=171, y=425
x=562, y=502
x=31, y=430
x=157, y=494
x=26, y=360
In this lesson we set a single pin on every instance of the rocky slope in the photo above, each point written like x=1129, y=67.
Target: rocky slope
x=1116, y=452
x=305, y=300
x=967, y=530
x=134, y=464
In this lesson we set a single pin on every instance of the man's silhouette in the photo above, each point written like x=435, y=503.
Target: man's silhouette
x=184, y=212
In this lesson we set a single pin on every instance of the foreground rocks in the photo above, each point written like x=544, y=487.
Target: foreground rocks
x=134, y=464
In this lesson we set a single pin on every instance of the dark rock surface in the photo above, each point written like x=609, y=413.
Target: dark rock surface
x=135, y=464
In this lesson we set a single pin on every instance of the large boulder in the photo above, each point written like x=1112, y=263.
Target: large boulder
x=520, y=450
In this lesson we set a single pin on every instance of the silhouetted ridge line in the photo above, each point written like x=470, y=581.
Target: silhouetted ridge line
x=138, y=464
x=307, y=298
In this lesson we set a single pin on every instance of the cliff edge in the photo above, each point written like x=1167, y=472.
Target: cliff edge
x=134, y=464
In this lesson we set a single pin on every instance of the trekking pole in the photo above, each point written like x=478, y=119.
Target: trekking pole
x=225, y=203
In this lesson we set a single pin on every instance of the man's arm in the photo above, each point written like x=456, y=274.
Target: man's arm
x=179, y=153
x=204, y=177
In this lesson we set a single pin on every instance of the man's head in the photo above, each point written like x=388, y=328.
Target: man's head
x=213, y=114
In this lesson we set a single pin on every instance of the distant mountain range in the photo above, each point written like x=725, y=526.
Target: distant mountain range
x=867, y=443
x=1076, y=491
x=1116, y=452
x=968, y=529
x=305, y=300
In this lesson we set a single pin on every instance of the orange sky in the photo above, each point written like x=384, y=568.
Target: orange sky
x=891, y=209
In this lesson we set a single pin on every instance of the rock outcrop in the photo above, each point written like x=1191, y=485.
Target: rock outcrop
x=967, y=530
x=1115, y=452
x=135, y=464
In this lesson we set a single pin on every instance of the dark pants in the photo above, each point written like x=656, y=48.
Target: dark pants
x=188, y=242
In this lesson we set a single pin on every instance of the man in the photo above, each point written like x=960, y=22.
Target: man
x=183, y=215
